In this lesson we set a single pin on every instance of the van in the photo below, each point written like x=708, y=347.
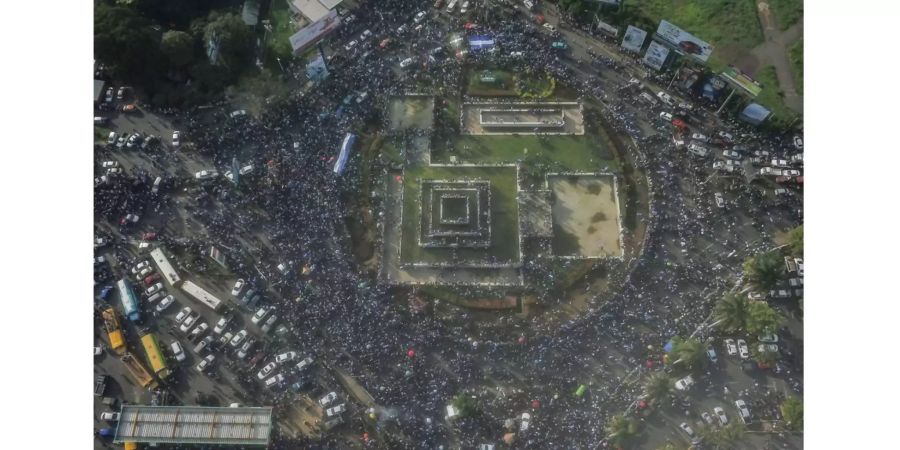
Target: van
x=155, y=189
x=156, y=297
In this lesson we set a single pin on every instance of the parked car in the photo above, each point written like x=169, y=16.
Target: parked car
x=720, y=413
x=274, y=381
x=798, y=142
x=327, y=399
x=336, y=410
x=684, y=383
x=269, y=323
x=730, y=347
x=245, y=349
x=720, y=200
x=176, y=138
x=206, y=175
x=304, y=364
x=711, y=354
x=198, y=330
x=260, y=314
x=707, y=418
x=267, y=370
x=109, y=416
x=743, y=410
x=699, y=137
x=183, y=314
x=178, y=351
x=688, y=431
x=165, y=303
x=189, y=322
x=743, y=349
x=238, y=113
x=764, y=348
x=206, y=363
x=731, y=154
x=238, y=338
x=153, y=289
x=203, y=344
x=238, y=287
x=286, y=357
x=152, y=278
x=223, y=323
x=769, y=339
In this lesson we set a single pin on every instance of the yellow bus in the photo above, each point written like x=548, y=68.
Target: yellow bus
x=155, y=356
x=114, y=331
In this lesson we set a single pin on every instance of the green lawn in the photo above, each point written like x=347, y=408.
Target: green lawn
x=771, y=95
x=718, y=22
x=282, y=29
x=504, y=215
x=502, y=87
x=581, y=153
x=795, y=54
x=786, y=12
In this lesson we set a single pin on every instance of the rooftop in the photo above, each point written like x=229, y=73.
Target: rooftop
x=313, y=10
x=194, y=425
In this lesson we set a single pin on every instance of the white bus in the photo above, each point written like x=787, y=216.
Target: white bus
x=166, y=269
x=201, y=295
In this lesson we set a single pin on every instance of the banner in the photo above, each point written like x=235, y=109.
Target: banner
x=311, y=33
x=634, y=39
x=316, y=70
x=740, y=80
x=481, y=43
x=607, y=29
x=656, y=55
x=683, y=41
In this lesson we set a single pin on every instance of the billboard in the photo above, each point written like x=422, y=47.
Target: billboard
x=311, y=33
x=316, y=70
x=634, y=39
x=740, y=80
x=607, y=29
x=346, y=146
x=683, y=41
x=656, y=55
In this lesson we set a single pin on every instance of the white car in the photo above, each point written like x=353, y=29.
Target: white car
x=684, y=383
x=550, y=27
x=365, y=35
x=742, y=408
x=697, y=150
x=141, y=265
x=688, y=431
x=246, y=169
x=665, y=116
x=112, y=138
x=304, y=364
x=731, y=154
x=267, y=370
x=120, y=143
x=238, y=287
x=770, y=339
x=720, y=201
x=730, y=347
x=726, y=136
x=176, y=138
x=114, y=171
x=203, y=344
x=260, y=315
x=153, y=289
x=350, y=45
x=189, y=322
x=699, y=137
x=110, y=416
x=327, y=399
x=109, y=164
x=165, y=303
x=763, y=348
x=143, y=273
x=720, y=413
x=406, y=63
x=245, y=349
x=791, y=173
x=780, y=163
x=204, y=365
x=419, y=17
x=286, y=357
x=465, y=7
x=711, y=354
x=222, y=324
x=761, y=153
x=525, y=423
x=335, y=410
x=707, y=418
x=756, y=296
x=206, y=174
x=134, y=139
x=277, y=379
x=743, y=349
x=178, y=351
x=238, y=113
x=183, y=314
x=238, y=338
x=798, y=142
x=268, y=325
x=198, y=331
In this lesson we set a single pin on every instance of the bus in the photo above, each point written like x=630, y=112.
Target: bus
x=201, y=295
x=165, y=268
x=138, y=371
x=129, y=300
x=155, y=356
x=114, y=331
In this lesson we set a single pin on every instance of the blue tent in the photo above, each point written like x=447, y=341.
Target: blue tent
x=668, y=347
x=481, y=43
x=755, y=114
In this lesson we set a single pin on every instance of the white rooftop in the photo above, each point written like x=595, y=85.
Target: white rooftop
x=313, y=10
x=194, y=425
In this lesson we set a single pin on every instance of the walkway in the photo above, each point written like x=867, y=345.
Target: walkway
x=774, y=52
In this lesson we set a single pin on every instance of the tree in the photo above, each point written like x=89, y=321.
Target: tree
x=731, y=312
x=178, y=47
x=795, y=241
x=763, y=270
x=657, y=387
x=465, y=405
x=762, y=319
x=620, y=429
x=722, y=438
x=690, y=352
x=792, y=412
x=233, y=38
x=124, y=41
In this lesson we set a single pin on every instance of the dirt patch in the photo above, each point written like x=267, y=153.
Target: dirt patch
x=411, y=112
x=579, y=217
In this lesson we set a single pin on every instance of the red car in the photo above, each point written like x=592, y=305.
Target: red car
x=152, y=278
x=129, y=108
x=148, y=235
x=469, y=25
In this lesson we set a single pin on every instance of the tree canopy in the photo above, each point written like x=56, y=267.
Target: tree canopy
x=620, y=429
x=125, y=41
x=178, y=47
x=689, y=352
x=762, y=319
x=657, y=387
x=792, y=412
x=235, y=40
x=764, y=270
x=795, y=241
x=731, y=312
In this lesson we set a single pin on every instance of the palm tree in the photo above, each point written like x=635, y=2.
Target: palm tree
x=690, y=352
x=762, y=319
x=763, y=270
x=724, y=437
x=795, y=241
x=731, y=312
x=792, y=412
x=620, y=429
x=657, y=386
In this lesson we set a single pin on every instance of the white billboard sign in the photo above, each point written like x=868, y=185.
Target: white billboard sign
x=634, y=39
x=656, y=55
x=683, y=41
x=311, y=33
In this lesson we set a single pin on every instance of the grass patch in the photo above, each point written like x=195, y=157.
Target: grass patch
x=772, y=96
x=795, y=55
x=101, y=134
x=581, y=153
x=786, y=12
x=283, y=27
x=535, y=85
x=504, y=215
x=715, y=21
x=502, y=86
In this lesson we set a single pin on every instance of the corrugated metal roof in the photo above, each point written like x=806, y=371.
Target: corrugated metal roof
x=194, y=425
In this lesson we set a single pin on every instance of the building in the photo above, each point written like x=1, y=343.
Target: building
x=195, y=425
x=250, y=12
x=313, y=10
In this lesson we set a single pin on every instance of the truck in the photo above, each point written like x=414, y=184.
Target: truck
x=114, y=331
x=100, y=385
x=129, y=300
x=201, y=295
x=138, y=371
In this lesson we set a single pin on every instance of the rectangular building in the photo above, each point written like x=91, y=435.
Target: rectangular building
x=194, y=425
